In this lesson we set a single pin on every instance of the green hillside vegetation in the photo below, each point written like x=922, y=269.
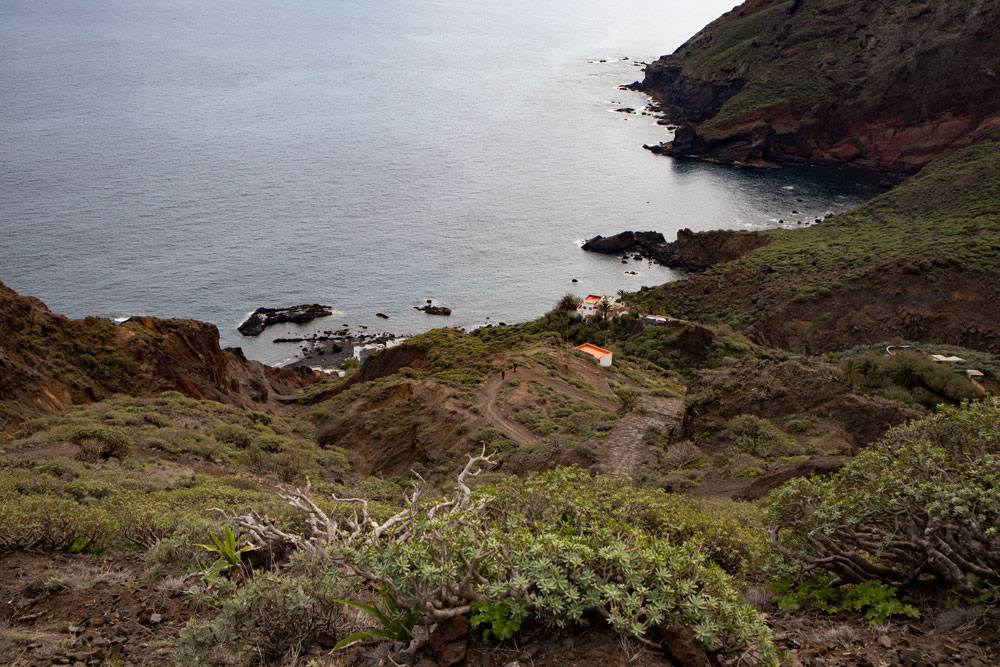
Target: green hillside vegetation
x=157, y=477
x=942, y=224
x=257, y=442
x=135, y=474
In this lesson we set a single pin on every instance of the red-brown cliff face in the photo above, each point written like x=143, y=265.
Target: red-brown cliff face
x=885, y=84
x=49, y=362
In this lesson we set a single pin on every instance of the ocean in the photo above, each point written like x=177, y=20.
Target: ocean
x=201, y=159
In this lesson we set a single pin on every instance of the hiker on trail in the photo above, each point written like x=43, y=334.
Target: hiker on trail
x=502, y=374
x=515, y=366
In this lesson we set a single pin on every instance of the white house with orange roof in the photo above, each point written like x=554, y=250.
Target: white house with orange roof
x=591, y=303
x=602, y=356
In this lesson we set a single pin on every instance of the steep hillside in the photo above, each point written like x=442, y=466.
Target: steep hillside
x=888, y=84
x=114, y=515
x=49, y=362
x=921, y=262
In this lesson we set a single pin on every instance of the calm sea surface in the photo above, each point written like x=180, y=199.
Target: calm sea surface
x=200, y=159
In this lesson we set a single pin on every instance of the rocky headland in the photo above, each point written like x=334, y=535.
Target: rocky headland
x=882, y=85
x=691, y=252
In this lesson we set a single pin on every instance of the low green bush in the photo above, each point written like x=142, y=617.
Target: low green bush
x=554, y=545
x=922, y=504
x=100, y=442
x=759, y=437
x=265, y=620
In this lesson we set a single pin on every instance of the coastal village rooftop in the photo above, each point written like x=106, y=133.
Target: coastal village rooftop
x=602, y=356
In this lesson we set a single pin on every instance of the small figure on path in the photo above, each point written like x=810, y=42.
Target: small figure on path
x=515, y=366
x=503, y=374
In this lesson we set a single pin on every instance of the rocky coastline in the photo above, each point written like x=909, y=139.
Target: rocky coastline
x=326, y=350
x=691, y=252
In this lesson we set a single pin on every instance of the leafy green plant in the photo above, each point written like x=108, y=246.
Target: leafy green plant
x=99, y=442
x=500, y=618
x=268, y=618
x=396, y=623
x=554, y=546
x=877, y=600
x=230, y=555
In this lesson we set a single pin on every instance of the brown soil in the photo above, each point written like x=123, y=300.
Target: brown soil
x=62, y=609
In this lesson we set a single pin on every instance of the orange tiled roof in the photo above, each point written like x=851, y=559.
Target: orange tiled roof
x=593, y=350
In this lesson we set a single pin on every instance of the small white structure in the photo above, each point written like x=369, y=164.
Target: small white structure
x=362, y=352
x=602, y=356
x=974, y=375
x=591, y=303
x=588, y=307
x=656, y=319
x=941, y=359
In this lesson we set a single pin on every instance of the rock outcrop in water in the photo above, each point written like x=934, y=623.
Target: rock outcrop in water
x=887, y=85
x=262, y=318
x=691, y=252
x=434, y=310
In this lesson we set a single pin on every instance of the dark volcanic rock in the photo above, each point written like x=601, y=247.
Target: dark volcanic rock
x=619, y=243
x=434, y=310
x=691, y=251
x=449, y=643
x=265, y=317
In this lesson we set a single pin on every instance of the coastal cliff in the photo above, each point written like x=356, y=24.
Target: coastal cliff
x=884, y=85
x=49, y=362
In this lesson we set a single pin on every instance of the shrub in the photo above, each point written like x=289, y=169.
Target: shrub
x=682, y=454
x=759, y=437
x=744, y=465
x=552, y=547
x=572, y=557
x=269, y=617
x=176, y=553
x=920, y=504
x=100, y=442
x=875, y=599
x=234, y=435
x=799, y=425
x=49, y=523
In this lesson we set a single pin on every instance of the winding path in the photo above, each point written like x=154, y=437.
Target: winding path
x=490, y=394
x=626, y=449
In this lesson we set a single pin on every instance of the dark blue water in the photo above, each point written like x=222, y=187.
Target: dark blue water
x=200, y=159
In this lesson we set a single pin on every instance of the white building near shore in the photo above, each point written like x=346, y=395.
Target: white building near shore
x=362, y=352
